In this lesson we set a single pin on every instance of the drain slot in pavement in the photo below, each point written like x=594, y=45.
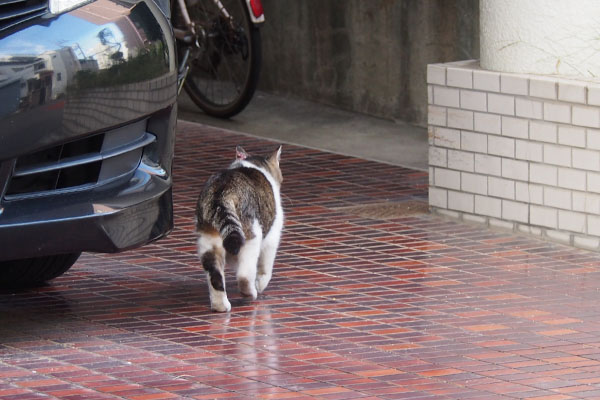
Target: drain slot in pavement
x=387, y=210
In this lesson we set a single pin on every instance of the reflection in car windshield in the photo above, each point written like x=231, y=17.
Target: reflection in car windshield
x=40, y=38
x=114, y=45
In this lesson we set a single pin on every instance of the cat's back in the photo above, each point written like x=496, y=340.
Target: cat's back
x=245, y=189
x=237, y=182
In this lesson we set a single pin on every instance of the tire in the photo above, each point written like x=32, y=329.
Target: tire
x=224, y=71
x=32, y=272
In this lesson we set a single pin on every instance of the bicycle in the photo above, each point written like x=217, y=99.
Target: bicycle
x=219, y=50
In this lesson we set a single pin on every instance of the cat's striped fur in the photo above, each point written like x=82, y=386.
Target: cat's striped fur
x=239, y=222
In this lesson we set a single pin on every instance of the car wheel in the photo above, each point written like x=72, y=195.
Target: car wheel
x=30, y=272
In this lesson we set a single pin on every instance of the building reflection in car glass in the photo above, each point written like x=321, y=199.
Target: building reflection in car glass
x=112, y=51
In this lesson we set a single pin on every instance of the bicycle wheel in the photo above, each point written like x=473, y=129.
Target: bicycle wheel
x=225, y=62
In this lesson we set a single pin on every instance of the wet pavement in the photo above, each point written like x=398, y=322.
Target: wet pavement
x=370, y=302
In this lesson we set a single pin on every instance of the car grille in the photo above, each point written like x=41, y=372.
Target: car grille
x=13, y=12
x=80, y=164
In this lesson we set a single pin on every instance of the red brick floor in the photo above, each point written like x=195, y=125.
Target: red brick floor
x=416, y=307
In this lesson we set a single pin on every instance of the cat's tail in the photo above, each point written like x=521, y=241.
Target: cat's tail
x=231, y=231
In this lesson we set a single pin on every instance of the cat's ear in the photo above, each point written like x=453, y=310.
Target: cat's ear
x=240, y=154
x=276, y=156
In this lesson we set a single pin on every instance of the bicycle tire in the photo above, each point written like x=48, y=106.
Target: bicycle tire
x=245, y=88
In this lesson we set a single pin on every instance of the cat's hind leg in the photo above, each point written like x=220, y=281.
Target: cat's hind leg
x=212, y=256
x=247, y=260
x=268, y=252
x=265, y=263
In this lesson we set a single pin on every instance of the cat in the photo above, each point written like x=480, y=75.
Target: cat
x=239, y=220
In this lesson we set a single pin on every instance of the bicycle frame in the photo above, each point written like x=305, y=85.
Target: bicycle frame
x=255, y=10
x=189, y=36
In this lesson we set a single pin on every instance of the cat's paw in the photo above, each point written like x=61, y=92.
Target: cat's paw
x=246, y=289
x=221, y=305
x=262, y=280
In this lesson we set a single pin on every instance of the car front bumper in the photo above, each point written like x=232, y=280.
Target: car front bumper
x=101, y=75
x=122, y=218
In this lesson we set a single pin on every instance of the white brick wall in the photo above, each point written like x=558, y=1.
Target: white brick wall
x=490, y=81
x=557, y=155
x=488, y=165
x=488, y=123
x=436, y=74
x=460, y=201
x=461, y=160
x=542, y=173
x=473, y=183
x=488, y=206
x=542, y=87
x=529, y=150
x=515, y=127
x=571, y=221
x=527, y=108
x=438, y=156
x=571, y=136
x=471, y=100
x=515, y=211
x=436, y=115
x=473, y=141
x=459, y=77
x=445, y=137
x=443, y=96
x=514, y=169
x=586, y=202
x=516, y=151
x=460, y=119
x=529, y=193
x=593, y=225
x=501, y=104
x=503, y=188
x=501, y=146
x=447, y=178
x=594, y=95
x=557, y=198
x=572, y=179
x=438, y=197
x=586, y=159
x=557, y=112
x=543, y=216
x=542, y=131
x=586, y=116
x=513, y=84
x=593, y=139
x=571, y=92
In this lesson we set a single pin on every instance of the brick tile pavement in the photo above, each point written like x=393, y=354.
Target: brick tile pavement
x=412, y=306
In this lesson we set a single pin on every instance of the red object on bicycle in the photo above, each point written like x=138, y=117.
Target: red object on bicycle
x=257, y=10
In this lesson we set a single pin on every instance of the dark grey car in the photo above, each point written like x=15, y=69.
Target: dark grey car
x=87, y=118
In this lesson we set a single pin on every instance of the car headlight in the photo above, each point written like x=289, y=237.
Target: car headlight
x=60, y=6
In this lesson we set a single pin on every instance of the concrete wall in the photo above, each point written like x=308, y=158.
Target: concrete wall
x=368, y=56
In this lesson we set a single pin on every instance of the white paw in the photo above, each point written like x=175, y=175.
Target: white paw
x=262, y=280
x=221, y=305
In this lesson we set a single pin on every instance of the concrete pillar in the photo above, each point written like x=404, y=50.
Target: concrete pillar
x=541, y=36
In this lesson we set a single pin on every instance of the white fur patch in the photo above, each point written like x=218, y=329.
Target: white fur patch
x=208, y=243
x=247, y=261
x=278, y=221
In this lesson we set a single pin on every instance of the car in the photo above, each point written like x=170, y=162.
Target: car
x=88, y=110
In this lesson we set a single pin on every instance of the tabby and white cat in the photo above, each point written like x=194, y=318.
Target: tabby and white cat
x=239, y=223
